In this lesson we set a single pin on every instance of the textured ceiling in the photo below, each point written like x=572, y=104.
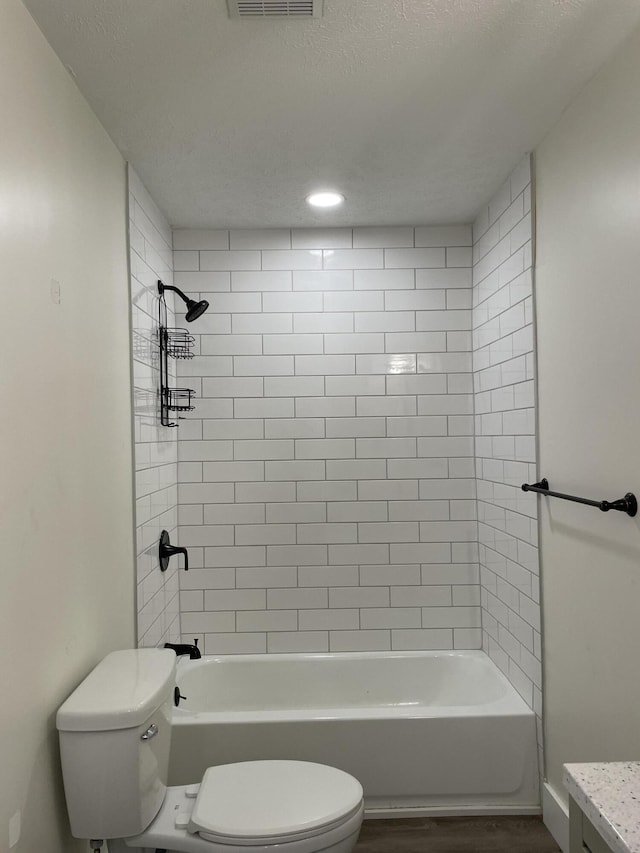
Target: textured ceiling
x=415, y=109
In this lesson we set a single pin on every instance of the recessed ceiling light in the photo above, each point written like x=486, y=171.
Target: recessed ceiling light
x=325, y=199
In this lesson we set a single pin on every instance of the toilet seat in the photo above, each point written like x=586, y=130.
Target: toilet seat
x=273, y=802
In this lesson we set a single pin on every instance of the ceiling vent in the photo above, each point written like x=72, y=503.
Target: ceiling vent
x=275, y=8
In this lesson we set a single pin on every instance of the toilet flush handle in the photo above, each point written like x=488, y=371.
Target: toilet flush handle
x=151, y=732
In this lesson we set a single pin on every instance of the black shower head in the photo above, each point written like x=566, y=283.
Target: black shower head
x=195, y=309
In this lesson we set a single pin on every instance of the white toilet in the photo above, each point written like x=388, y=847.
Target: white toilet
x=115, y=733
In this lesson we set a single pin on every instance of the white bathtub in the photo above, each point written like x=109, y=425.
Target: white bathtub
x=424, y=732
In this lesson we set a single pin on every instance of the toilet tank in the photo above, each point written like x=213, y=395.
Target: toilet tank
x=115, y=734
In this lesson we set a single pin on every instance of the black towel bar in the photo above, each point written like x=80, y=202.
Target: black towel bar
x=627, y=504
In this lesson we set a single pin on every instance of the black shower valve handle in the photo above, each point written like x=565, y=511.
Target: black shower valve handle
x=166, y=550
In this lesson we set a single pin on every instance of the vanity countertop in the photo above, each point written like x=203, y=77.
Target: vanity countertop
x=609, y=795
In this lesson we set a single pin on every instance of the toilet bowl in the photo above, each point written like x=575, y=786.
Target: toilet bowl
x=115, y=734
x=255, y=807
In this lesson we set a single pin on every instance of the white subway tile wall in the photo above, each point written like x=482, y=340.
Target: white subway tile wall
x=326, y=476
x=503, y=365
x=156, y=447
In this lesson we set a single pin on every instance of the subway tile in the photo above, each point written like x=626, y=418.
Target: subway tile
x=272, y=407
x=356, y=554
x=372, y=448
x=459, y=257
x=262, y=281
x=387, y=490
x=414, y=258
x=236, y=643
x=388, y=531
x=230, y=260
x=417, y=426
x=248, y=492
x=265, y=534
x=294, y=470
x=443, y=235
x=230, y=345
x=260, y=238
x=298, y=512
x=235, y=303
x=355, y=427
x=321, y=238
x=296, y=555
x=388, y=405
x=353, y=259
x=261, y=324
x=390, y=617
x=385, y=321
x=356, y=511
x=294, y=428
x=186, y=261
x=283, y=642
x=356, y=343
x=292, y=344
x=263, y=449
x=443, y=278
x=203, y=282
x=235, y=599
x=266, y=577
x=266, y=620
x=382, y=363
x=194, y=451
x=359, y=641
x=358, y=596
x=192, y=238
x=424, y=552
x=395, y=575
x=327, y=490
x=263, y=365
x=415, y=342
x=293, y=386
x=416, y=639
x=234, y=513
x=235, y=556
x=325, y=407
x=327, y=576
x=294, y=259
x=232, y=387
x=415, y=300
x=381, y=238
x=207, y=621
x=355, y=469
x=421, y=596
x=312, y=322
x=294, y=302
x=451, y=617
x=432, y=321
x=347, y=386
x=323, y=280
x=328, y=620
x=354, y=301
x=314, y=534
x=324, y=365
x=329, y=448
x=419, y=510
x=417, y=384
x=221, y=472
x=398, y=279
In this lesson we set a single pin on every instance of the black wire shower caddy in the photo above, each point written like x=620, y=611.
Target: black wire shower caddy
x=177, y=344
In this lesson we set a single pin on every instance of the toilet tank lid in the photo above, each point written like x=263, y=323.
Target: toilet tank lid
x=121, y=692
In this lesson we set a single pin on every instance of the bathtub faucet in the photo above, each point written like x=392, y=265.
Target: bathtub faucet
x=185, y=649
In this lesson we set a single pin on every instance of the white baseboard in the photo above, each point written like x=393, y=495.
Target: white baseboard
x=385, y=813
x=555, y=817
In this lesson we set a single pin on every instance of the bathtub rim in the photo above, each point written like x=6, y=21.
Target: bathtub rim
x=508, y=705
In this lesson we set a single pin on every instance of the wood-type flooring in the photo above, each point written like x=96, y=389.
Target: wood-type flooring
x=456, y=835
